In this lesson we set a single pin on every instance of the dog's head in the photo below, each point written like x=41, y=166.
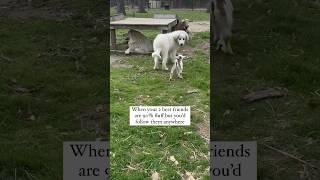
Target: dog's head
x=182, y=38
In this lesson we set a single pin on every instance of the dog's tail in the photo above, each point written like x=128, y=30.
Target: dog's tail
x=156, y=53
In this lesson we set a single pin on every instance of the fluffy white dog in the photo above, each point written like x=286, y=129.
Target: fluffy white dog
x=223, y=20
x=165, y=47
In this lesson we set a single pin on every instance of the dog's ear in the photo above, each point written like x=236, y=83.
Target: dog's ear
x=177, y=37
x=187, y=36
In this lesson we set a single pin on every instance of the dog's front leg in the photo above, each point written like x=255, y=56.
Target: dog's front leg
x=173, y=56
x=164, y=62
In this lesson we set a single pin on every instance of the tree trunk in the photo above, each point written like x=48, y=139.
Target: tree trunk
x=120, y=7
x=142, y=4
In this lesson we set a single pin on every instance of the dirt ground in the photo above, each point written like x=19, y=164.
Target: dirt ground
x=199, y=26
x=115, y=61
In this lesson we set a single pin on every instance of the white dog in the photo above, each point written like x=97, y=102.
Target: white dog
x=177, y=67
x=223, y=20
x=165, y=47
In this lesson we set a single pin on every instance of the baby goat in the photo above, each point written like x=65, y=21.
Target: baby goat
x=177, y=67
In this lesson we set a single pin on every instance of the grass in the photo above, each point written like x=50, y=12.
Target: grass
x=52, y=88
x=137, y=152
x=276, y=45
x=51, y=73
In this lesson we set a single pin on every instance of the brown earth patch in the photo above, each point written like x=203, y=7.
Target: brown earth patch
x=116, y=61
x=199, y=26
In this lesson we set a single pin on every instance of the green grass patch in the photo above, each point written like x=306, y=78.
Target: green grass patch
x=61, y=76
x=138, y=151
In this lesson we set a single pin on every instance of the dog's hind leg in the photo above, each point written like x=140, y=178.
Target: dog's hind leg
x=156, y=62
x=156, y=57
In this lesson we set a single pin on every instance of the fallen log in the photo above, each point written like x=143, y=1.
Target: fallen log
x=264, y=94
